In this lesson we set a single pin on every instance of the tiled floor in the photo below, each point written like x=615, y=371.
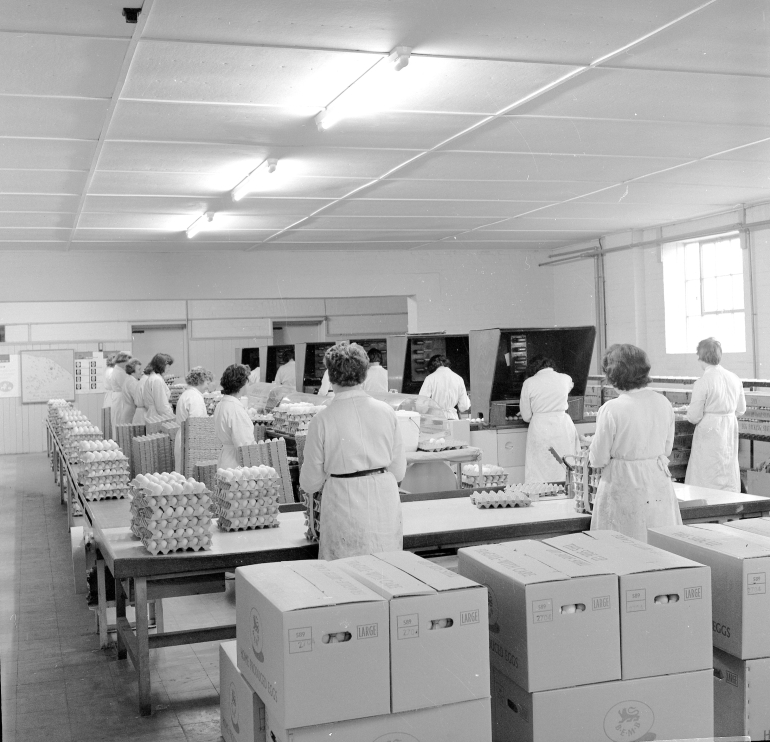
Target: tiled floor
x=57, y=685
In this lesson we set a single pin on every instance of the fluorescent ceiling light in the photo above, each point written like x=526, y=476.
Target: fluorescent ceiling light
x=251, y=181
x=200, y=223
x=365, y=95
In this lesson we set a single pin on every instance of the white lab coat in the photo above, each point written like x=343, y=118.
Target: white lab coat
x=543, y=404
x=360, y=515
x=634, y=436
x=189, y=404
x=254, y=376
x=156, y=396
x=233, y=428
x=118, y=412
x=447, y=389
x=716, y=399
x=326, y=385
x=287, y=375
x=141, y=410
x=376, y=379
x=130, y=396
x=109, y=389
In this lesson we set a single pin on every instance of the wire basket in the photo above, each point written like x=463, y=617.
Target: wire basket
x=582, y=482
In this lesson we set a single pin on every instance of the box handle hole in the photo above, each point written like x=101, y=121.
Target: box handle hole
x=513, y=707
x=442, y=623
x=666, y=599
x=336, y=637
x=573, y=608
x=718, y=674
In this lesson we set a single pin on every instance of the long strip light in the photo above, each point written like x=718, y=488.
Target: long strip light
x=202, y=222
x=337, y=110
x=251, y=182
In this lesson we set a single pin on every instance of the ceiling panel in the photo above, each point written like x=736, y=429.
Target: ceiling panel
x=260, y=126
x=364, y=207
x=440, y=223
x=180, y=222
x=719, y=172
x=38, y=64
x=313, y=234
x=58, y=118
x=660, y=96
x=614, y=138
x=46, y=154
x=156, y=236
x=54, y=182
x=549, y=29
x=524, y=236
x=85, y=17
x=32, y=220
x=183, y=205
x=581, y=211
x=754, y=153
x=10, y=234
x=31, y=247
x=711, y=196
x=26, y=202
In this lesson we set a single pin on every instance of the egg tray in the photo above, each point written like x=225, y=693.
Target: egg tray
x=312, y=515
x=430, y=447
x=225, y=505
x=486, y=480
x=96, y=495
x=140, y=529
x=226, y=525
x=253, y=512
x=161, y=552
x=499, y=500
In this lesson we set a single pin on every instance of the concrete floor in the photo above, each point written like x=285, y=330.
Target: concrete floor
x=57, y=685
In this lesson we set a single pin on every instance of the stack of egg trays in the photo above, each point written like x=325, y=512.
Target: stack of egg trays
x=160, y=530
x=206, y=472
x=154, y=423
x=249, y=500
x=502, y=499
x=106, y=479
x=312, y=515
x=71, y=441
x=270, y=453
x=152, y=453
x=486, y=480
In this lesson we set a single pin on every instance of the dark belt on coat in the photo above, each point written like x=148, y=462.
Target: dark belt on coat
x=363, y=473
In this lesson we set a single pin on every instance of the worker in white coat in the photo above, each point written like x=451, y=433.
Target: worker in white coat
x=287, y=373
x=326, y=385
x=141, y=411
x=376, y=377
x=634, y=437
x=109, y=391
x=445, y=387
x=544, y=403
x=190, y=404
x=717, y=397
x=232, y=424
x=354, y=452
x=254, y=374
x=130, y=394
x=157, y=395
x=117, y=415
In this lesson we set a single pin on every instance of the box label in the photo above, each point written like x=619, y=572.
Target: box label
x=693, y=593
x=542, y=611
x=368, y=631
x=408, y=626
x=469, y=617
x=756, y=583
x=732, y=678
x=600, y=604
x=636, y=600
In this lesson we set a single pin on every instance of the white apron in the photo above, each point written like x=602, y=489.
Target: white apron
x=635, y=495
x=714, y=456
x=549, y=430
x=360, y=515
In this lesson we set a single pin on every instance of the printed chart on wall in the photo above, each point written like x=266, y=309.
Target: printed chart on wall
x=9, y=376
x=47, y=374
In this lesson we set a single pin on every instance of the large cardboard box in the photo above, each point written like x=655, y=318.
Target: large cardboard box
x=739, y=565
x=312, y=642
x=470, y=721
x=537, y=634
x=741, y=693
x=758, y=483
x=656, y=637
x=439, y=646
x=241, y=711
x=666, y=707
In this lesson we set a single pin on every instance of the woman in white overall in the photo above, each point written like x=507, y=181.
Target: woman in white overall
x=190, y=404
x=634, y=436
x=717, y=397
x=355, y=453
x=232, y=424
x=157, y=395
x=543, y=404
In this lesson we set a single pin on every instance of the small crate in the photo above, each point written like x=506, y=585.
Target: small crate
x=312, y=515
x=582, y=482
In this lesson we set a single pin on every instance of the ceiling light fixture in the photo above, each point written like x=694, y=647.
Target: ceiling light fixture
x=337, y=110
x=200, y=223
x=251, y=181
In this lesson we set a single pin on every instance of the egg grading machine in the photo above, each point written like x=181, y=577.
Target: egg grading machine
x=409, y=355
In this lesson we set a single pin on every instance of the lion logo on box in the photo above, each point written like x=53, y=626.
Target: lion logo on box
x=629, y=721
x=256, y=635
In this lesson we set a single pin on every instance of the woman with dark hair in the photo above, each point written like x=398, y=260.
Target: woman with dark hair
x=156, y=393
x=232, y=423
x=634, y=436
x=129, y=395
x=118, y=382
x=355, y=453
x=445, y=387
x=190, y=404
x=376, y=376
x=543, y=404
x=717, y=397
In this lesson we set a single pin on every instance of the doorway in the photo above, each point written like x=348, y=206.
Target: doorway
x=151, y=339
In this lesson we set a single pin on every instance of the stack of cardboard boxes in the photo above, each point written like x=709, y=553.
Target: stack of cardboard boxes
x=595, y=636
x=738, y=554
x=368, y=648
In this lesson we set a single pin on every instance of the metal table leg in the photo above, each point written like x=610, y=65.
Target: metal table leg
x=101, y=610
x=120, y=613
x=142, y=645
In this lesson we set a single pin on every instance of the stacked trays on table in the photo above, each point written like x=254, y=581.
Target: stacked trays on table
x=154, y=423
x=199, y=442
x=440, y=444
x=103, y=470
x=490, y=476
x=152, y=453
x=247, y=498
x=206, y=472
x=170, y=513
x=293, y=418
x=312, y=515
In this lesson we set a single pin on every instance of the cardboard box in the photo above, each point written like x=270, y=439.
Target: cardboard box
x=741, y=692
x=312, y=642
x=533, y=636
x=439, y=642
x=655, y=638
x=739, y=565
x=460, y=430
x=758, y=399
x=758, y=483
x=241, y=711
x=667, y=707
x=470, y=721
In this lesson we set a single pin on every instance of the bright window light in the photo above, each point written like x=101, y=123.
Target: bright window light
x=704, y=293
